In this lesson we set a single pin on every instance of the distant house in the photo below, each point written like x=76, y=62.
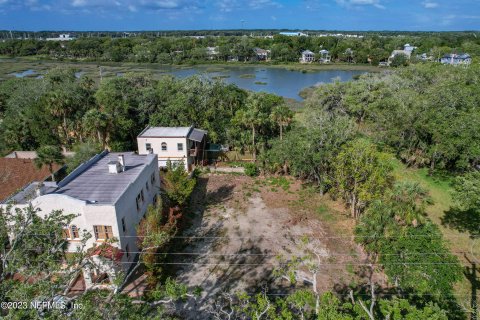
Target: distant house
x=294, y=34
x=109, y=194
x=212, y=52
x=349, y=54
x=324, y=56
x=261, y=54
x=407, y=52
x=424, y=57
x=62, y=37
x=408, y=49
x=398, y=52
x=456, y=59
x=175, y=144
x=307, y=56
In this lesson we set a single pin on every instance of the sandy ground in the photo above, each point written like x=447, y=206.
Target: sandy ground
x=239, y=228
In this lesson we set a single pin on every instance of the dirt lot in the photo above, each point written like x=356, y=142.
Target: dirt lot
x=239, y=227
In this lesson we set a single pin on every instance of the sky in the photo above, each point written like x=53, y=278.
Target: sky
x=130, y=15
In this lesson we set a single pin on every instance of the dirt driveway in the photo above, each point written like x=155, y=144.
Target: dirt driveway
x=240, y=226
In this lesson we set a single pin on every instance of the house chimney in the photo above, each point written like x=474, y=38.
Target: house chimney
x=121, y=160
x=39, y=190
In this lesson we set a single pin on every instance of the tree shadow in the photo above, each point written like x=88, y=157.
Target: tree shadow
x=471, y=274
x=463, y=221
x=467, y=221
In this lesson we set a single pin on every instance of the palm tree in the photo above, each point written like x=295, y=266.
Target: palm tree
x=283, y=116
x=49, y=155
x=97, y=122
x=253, y=117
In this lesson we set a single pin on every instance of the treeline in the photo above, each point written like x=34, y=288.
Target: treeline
x=372, y=48
x=62, y=110
x=25, y=34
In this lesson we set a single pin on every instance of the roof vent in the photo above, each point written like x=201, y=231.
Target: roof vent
x=114, y=167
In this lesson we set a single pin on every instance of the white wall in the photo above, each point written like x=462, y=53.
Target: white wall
x=126, y=207
x=88, y=215
x=172, y=152
x=106, y=215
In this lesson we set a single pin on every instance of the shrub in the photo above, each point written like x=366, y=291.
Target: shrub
x=251, y=169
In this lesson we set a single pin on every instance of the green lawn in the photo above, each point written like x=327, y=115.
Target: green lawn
x=440, y=188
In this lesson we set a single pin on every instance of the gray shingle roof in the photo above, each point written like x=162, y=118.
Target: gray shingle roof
x=166, y=132
x=97, y=185
x=197, y=135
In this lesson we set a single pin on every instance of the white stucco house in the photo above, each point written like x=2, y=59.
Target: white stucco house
x=324, y=56
x=307, y=56
x=175, y=144
x=109, y=194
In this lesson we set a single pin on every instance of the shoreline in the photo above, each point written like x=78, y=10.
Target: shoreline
x=294, y=66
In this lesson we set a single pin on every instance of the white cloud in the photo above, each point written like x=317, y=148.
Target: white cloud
x=227, y=5
x=133, y=6
x=429, y=4
x=232, y=5
x=162, y=4
x=359, y=3
x=260, y=4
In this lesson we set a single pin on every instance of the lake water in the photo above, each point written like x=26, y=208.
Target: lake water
x=24, y=73
x=280, y=81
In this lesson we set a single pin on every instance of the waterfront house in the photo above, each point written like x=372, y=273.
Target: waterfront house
x=307, y=56
x=324, y=56
x=212, y=52
x=261, y=54
x=109, y=194
x=456, y=59
x=174, y=144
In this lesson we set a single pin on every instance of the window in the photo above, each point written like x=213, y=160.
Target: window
x=147, y=186
x=74, y=232
x=148, y=146
x=124, y=226
x=152, y=179
x=66, y=233
x=180, y=146
x=127, y=251
x=103, y=232
x=164, y=146
x=139, y=202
